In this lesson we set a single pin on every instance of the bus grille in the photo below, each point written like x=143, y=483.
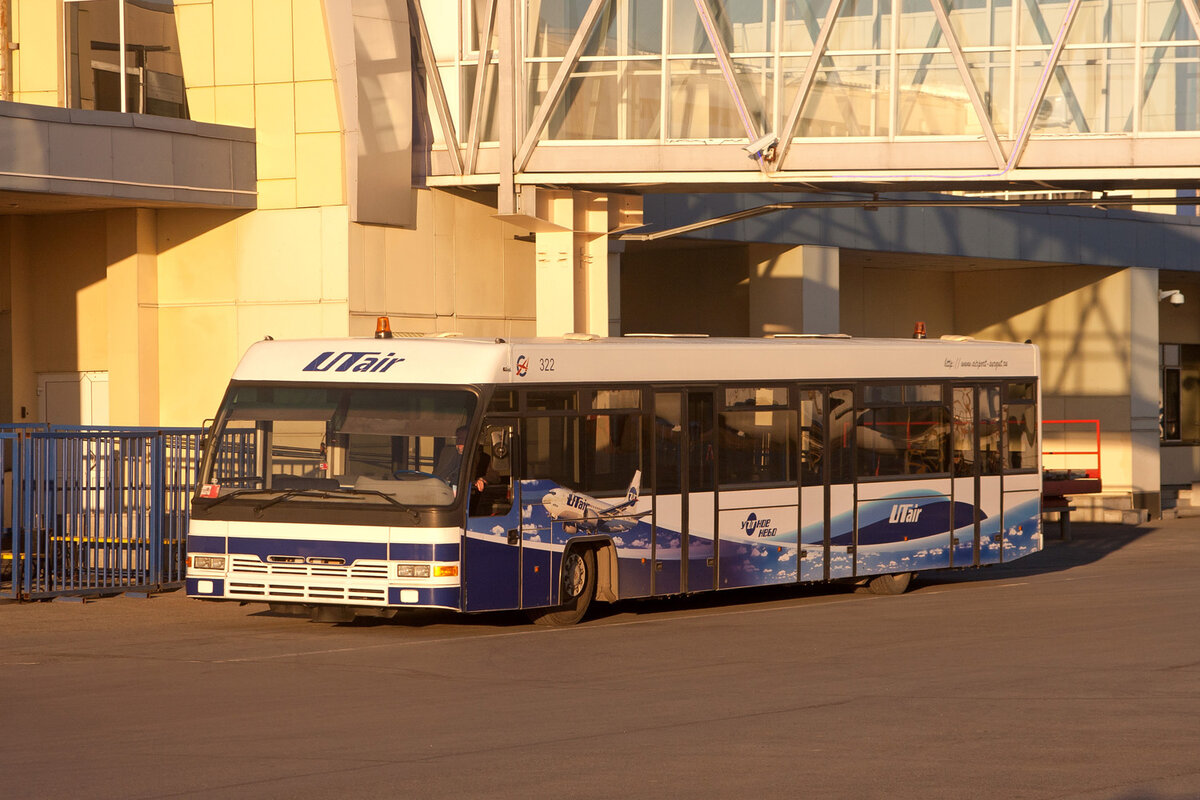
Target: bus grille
x=253, y=579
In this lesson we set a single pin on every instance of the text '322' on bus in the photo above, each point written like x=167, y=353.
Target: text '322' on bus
x=370, y=476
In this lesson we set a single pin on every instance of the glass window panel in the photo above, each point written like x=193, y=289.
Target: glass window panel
x=551, y=401
x=1021, y=437
x=849, y=98
x=503, y=400
x=933, y=99
x=802, y=23
x=552, y=24
x=687, y=31
x=1040, y=20
x=991, y=71
x=841, y=436
x=756, y=396
x=1104, y=22
x=1089, y=92
x=862, y=25
x=902, y=440
x=629, y=27
x=668, y=442
x=1169, y=429
x=962, y=433
x=612, y=452
x=700, y=103
x=1167, y=22
x=919, y=26
x=979, y=23
x=1171, y=99
x=989, y=430
x=551, y=450
x=602, y=100
x=812, y=433
x=488, y=121
x=756, y=81
x=878, y=394
x=757, y=447
x=746, y=26
x=153, y=64
x=616, y=398
x=1020, y=392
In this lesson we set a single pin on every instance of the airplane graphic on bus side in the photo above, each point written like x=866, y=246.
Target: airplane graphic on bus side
x=583, y=512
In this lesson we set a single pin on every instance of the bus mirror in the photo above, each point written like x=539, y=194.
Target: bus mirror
x=205, y=432
x=499, y=440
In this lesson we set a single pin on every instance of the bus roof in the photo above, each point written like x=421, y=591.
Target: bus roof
x=630, y=360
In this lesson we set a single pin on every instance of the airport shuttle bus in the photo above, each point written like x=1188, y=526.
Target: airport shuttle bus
x=369, y=476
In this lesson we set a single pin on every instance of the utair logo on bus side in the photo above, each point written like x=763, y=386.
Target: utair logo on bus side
x=353, y=361
x=581, y=512
x=905, y=512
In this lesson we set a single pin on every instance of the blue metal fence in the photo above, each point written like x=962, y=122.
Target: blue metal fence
x=91, y=510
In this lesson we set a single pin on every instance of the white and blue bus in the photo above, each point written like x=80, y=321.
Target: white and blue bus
x=369, y=476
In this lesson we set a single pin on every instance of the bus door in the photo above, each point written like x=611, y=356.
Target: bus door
x=684, y=491
x=989, y=496
x=492, y=568
x=966, y=468
x=839, y=490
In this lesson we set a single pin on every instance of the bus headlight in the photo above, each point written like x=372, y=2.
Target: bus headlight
x=206, y=562
x=412, y=570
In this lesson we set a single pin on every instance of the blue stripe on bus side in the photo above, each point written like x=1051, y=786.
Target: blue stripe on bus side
x=350, y=551
x=440, y=596
x=205, y=544
x=406, y=551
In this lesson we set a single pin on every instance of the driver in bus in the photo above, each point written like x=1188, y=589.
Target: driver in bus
x=451, y=457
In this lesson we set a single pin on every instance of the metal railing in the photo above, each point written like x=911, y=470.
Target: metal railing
x=94, y=510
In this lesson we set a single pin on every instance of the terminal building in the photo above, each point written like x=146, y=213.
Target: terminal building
x=181, y=179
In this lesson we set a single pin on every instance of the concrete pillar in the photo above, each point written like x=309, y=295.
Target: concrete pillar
x=20, y=322
x=793, y=290
x=555, y=271
x=132, y=288
x=1145, y=462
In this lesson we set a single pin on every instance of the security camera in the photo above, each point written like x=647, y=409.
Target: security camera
x=1176, y=299
x=1172, y=296
x=762, y=146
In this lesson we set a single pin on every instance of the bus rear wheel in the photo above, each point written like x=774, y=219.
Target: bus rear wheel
x=889, y=584
x=577, y=589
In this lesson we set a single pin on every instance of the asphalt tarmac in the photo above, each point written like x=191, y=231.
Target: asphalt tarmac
x=1074, y=673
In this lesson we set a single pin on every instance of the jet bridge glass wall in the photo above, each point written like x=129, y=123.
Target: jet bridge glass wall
x=677, y=70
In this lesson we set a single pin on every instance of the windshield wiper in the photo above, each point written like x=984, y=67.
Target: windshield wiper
x=236, y=493
x=290, y=493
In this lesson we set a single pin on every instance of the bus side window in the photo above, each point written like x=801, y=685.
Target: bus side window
x=496, y=443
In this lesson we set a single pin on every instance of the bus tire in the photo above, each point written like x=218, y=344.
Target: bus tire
x=577, y=589
x=890, y=584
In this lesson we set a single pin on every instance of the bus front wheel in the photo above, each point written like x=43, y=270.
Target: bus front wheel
x=889, y=584
x=577, y=589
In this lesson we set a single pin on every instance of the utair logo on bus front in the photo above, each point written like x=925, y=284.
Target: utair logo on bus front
x=353, y=361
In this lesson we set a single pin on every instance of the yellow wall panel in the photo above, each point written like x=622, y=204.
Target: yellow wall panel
x=202, y=104
x=234, y=105
x=194, y=23
x=35, y=26
x=311, y=42
x=317, y=108
x=197, y=354
x=279, y=256
x=274, y=106
x=233, y=34
x=335, y=253
x=319, y=169
x=195, y=263
x=279, y=321
x=272, y=41
x=277, y=194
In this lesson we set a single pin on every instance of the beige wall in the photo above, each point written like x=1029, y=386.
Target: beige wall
x=37, y=71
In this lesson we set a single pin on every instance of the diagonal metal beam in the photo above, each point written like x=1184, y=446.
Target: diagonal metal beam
x=726, y=63
x=558, y=85
x=985, y=120
x=1039, y=93
x=806, y=82
x=435, y=81
x=474, y=134
x=1193, y=11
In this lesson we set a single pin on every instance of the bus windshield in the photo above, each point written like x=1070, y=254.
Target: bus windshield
x=336, y=444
